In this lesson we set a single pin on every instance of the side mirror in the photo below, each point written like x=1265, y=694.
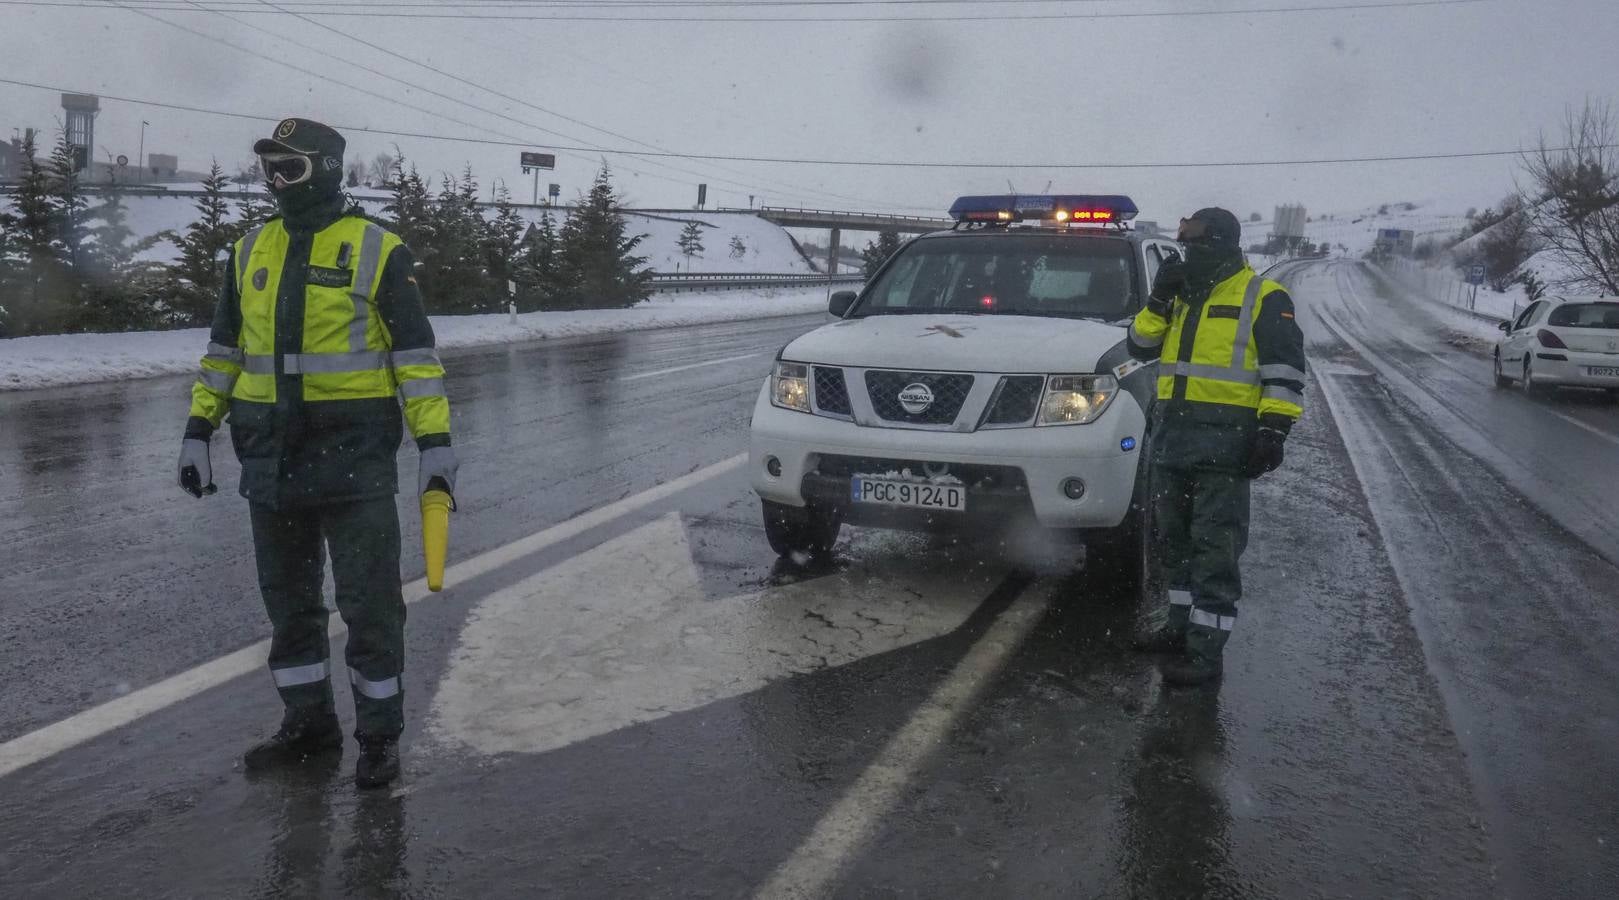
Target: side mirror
x=1505, y=326
x=840, y=303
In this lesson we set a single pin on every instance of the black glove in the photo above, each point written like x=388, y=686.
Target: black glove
x=1267, y=453
x=1166, y=286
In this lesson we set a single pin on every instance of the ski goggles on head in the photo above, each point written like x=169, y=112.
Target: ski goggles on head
x=287, y=169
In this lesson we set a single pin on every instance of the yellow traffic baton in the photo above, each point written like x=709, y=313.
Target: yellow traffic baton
x=436, y=506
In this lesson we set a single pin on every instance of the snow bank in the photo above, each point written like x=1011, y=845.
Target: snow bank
x=56, y=360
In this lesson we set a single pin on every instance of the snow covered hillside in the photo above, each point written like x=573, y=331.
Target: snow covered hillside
x=1353, y=233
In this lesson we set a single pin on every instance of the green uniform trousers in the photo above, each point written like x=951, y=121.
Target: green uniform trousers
x=362, y=536
x=1201, y=523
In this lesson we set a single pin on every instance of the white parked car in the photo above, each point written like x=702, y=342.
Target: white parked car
x=980, y=378
x=1561, y=342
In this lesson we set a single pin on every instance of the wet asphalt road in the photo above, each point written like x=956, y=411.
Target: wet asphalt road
x=641, y=701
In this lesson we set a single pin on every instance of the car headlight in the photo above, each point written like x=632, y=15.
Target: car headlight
x=789, y=386
x=1076, y=399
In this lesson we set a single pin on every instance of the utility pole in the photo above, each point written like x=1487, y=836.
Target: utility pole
x=140, y=156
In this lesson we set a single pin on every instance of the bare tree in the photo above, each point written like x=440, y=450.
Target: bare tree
x=1572, y=199
x=382, y=169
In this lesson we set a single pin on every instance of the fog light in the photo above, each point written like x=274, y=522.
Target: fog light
x=773, y=466
x=1073, y=488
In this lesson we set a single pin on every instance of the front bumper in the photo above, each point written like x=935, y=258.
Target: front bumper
x=1574, y=369
x=1009, y=472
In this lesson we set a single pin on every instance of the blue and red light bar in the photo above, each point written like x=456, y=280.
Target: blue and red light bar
x=1074, y=209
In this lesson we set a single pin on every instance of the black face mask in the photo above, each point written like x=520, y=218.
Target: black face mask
x=301, y=204
x=1207, y=264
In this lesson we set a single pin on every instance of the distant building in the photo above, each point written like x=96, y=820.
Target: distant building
x=10, y=159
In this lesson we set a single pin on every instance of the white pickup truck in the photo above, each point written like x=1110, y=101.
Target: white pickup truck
x=979, y=379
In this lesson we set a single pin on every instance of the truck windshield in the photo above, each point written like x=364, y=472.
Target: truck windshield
x=1066, y=276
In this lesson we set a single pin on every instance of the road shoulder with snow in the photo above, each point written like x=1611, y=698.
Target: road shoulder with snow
x=65, y=359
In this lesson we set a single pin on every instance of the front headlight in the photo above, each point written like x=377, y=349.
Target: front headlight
x=789, y=386
x=1076, y=399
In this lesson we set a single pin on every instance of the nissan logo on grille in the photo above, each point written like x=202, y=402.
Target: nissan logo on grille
x=916, y=398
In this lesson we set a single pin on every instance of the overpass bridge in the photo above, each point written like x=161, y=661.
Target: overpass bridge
x=837, y=222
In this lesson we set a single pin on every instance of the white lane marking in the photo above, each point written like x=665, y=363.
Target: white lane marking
x=686, y=368
x=848, y=825
x=625, y=633
x=98, y=720
x=1585, y=425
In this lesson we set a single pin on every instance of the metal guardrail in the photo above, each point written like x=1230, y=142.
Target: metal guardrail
x=721, y=281
x=794, y=210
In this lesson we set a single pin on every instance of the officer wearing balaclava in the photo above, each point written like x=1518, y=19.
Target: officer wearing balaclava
x=1231, y=375
x=320, y=353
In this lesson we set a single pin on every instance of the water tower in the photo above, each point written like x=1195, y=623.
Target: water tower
x=80, y=110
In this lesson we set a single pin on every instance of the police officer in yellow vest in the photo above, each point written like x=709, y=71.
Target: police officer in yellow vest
x=318, y=340
x=1231, y=376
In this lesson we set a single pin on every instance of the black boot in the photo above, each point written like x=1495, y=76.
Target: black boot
x=1163, y=641
x=300, y=738
x=1191, y=669
x=379, y=762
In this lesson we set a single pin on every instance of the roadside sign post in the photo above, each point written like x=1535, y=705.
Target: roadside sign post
x=702, y=195
x=533, y=163
x=554, y=191
x=1475, y=277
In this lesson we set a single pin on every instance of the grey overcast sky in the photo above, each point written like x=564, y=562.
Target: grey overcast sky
x=1420, y=79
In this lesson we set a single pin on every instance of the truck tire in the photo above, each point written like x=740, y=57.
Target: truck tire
x=794, y=531
x=1119, y=559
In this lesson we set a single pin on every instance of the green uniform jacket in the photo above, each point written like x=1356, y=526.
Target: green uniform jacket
x=300, y=453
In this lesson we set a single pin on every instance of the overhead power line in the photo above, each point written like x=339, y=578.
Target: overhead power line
x=578, y=152
x=404, y=13
x=858, y=163
x=531, y=105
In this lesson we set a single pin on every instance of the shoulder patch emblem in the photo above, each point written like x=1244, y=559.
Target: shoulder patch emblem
x=261, y=278
x=286, y=128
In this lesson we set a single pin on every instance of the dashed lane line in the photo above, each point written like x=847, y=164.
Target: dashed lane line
x=47, y=742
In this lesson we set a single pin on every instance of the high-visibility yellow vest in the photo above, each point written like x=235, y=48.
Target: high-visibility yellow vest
x=345, y=352
x=1223, y=365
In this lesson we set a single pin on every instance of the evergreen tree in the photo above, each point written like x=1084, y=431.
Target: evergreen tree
x=460, y=276
x=690, y=241
x=254, y=208
x=67, y=202
x=503, y=237
x=39, y=272
x=193, y=282
x=598, y=265
x=409, y=214
x=738, y=249
x=118, y=291
x=8, y=266
x=877, y=252
x=539, y=275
